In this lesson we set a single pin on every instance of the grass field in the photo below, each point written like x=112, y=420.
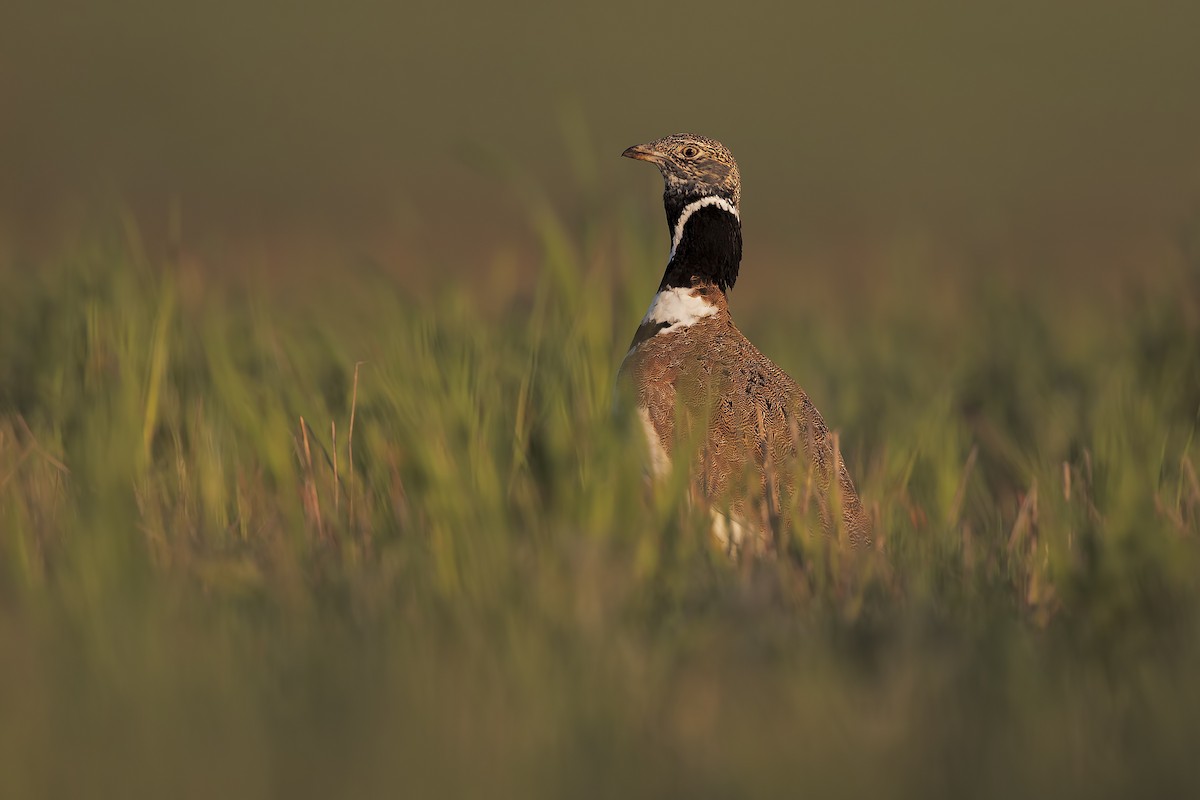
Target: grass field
x=332, y=539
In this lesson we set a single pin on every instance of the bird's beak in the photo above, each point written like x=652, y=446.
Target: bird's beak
x=644, y=152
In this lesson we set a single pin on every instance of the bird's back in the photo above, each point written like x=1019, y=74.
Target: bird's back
x=761, y=452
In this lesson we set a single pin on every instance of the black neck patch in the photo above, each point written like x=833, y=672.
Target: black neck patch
x=709, y=251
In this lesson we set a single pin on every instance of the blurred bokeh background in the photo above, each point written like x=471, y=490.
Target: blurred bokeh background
x=1026, y=130
x=282, y=513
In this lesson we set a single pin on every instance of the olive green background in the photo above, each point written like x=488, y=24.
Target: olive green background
x=276, y=521
x=398, y=126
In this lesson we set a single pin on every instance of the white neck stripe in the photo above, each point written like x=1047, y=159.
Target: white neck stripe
x=692, y=208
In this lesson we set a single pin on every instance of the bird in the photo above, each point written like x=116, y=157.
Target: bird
x=759, y=452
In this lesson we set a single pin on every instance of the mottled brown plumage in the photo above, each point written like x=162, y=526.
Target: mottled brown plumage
x=761, y=455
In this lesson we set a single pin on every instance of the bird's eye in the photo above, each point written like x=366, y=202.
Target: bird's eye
x=690, y=152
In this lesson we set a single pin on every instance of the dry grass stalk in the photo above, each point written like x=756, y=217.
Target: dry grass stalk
x=960, y=494
x=1026, y=521
x=333, y=438
x=312, y=500
x=350, y=441
x=60, y=466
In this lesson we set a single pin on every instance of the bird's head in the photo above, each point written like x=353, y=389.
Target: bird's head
x=701, y=196
x=692, y=167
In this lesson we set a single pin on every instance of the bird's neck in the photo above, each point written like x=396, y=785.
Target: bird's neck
x=706, y=242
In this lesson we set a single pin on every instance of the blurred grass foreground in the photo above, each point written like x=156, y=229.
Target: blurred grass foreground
x=373, y=545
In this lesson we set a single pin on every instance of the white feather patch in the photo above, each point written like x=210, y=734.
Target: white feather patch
x=692, y=208
x=660, y=462
x=678, y=308
x=729, y=531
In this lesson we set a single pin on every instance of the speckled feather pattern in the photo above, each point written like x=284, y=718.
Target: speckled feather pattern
x=713, y=169
x=759, y=445
x=761, y=455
